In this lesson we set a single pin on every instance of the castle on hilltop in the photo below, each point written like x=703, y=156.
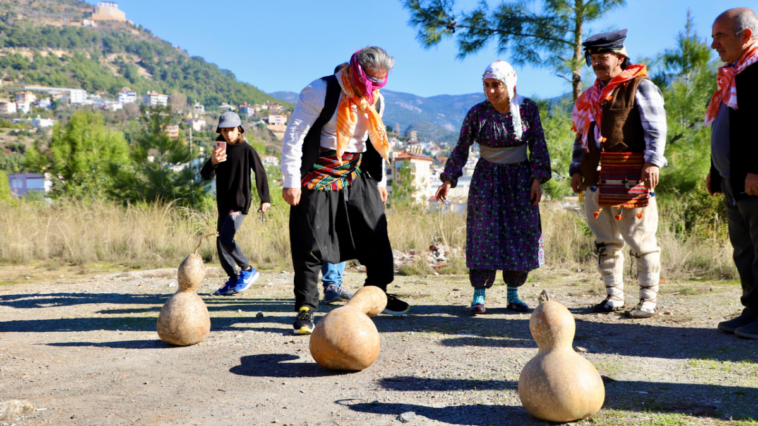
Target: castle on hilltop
x=108, y=11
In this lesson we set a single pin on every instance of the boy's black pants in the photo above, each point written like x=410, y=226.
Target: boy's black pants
x=334, y=226
x=229, y=252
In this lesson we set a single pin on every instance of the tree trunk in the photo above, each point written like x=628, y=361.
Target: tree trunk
x=578, y=63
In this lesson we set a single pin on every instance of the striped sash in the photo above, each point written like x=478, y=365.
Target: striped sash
x=621, y=180
x=328, y=174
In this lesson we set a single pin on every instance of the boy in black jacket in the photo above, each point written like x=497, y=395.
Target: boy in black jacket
x=231, y=166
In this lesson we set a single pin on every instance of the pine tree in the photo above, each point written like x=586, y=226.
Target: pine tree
x=551, y=38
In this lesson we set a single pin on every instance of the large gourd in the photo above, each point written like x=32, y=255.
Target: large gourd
x=184, y=319
x=346, y=338
x=558, y=385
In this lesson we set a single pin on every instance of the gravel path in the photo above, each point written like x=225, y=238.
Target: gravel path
x=83, y=349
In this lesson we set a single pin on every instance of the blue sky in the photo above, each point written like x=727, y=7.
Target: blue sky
x=285, y=44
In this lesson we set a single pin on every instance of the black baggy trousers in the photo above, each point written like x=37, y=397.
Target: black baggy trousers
x=334, y=226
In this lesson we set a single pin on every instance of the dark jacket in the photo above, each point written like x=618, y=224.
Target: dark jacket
x=743, y=138
x=233, y=181
x=372, y=161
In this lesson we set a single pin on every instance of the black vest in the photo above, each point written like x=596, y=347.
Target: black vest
x=371, y=163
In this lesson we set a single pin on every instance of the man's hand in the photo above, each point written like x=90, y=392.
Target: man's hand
x=218, y=156
x=650, y=175
x=535, y=194
x=711, y=192
x=291, y=196
x=751, y=184
x=576, y=183
x=383, y=194
x=441, y=194
x=265, y=207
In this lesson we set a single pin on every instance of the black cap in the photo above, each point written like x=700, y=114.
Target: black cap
x=605, y=42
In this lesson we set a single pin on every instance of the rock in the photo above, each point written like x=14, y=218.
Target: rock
x=13, y=408
x=580, y=349
x=407, y=417
x=259, y=315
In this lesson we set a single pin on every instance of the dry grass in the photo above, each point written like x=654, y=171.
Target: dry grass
x=161, y=235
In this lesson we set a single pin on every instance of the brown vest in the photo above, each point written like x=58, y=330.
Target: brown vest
x=622, y=129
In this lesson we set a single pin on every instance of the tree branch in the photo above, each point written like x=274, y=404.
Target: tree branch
x=512, y=33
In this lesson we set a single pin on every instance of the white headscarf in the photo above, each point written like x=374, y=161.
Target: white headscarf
x=503, y=71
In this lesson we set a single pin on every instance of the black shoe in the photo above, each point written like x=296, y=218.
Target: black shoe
x=733, y=324
x=749, y=331
x=606, y=306
x=304, y=322
x=395, y=306
x=518, y=307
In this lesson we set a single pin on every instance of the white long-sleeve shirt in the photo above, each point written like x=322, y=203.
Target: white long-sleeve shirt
x=308, y=108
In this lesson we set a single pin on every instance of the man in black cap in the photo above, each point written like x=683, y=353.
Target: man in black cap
x=621, y=135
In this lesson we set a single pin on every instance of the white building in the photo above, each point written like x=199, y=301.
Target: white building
x=7, y=107
x=420, y=168
x=199, y=108
x=226, y=107
x=43, y=122
x=270, y=160
x=24, y=107
x=277, y=119
x=197, y=124
x=44, y=103
x=155, y=98
x=127, y=96
x=75, y=96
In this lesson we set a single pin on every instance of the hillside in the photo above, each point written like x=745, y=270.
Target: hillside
x=44, y=42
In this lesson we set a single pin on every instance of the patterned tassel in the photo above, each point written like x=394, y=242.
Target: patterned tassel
x=641, y=215
x=618, y=216
x=597, y=213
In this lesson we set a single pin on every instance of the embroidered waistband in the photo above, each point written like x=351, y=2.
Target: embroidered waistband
x=328, y=175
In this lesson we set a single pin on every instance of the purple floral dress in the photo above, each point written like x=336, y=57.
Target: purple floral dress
x=503, y=230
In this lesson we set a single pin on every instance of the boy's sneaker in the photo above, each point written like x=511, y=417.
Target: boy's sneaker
x=334, y=293
x=304, y=322
x=246, y=279
x=395, y=306
x=228, y=288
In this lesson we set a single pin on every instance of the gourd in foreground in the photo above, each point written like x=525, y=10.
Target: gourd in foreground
x=558, y=385
x=346, y=338
x=184, y=319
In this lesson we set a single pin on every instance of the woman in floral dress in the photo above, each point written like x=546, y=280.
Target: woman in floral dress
x=503, y=228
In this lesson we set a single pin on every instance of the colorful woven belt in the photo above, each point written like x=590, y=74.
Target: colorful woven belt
x=328, y=174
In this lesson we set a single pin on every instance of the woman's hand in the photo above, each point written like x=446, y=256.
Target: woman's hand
x=576, y=183
x=535, y=195
x=291, y=196
x=218, y=156
x=265, y=207
x=441, y=194
x=383, y=194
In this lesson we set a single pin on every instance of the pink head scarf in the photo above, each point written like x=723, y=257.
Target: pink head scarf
x=369, y=83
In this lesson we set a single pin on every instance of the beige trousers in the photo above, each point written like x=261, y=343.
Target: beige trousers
x=610, y=238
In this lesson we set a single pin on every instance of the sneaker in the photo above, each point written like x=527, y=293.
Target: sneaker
x=607, y=306
x=749, y=331
x=477, y=309
x=335, y=293
x=246, y=279
x=395, y=306
x=304, y=322
x=228, y=288
x=733, y=324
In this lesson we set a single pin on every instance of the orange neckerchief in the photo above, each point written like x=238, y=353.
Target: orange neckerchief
x=727, y=86
x=589, y=106
x=347, y=118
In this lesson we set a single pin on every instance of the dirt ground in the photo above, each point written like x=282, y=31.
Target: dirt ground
x=82, y=347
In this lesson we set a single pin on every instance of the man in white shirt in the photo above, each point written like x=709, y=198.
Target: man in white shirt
x=332, y=162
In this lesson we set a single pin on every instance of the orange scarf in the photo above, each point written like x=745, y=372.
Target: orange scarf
x=589, y=106
x=347, y=118
x=727, y=87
